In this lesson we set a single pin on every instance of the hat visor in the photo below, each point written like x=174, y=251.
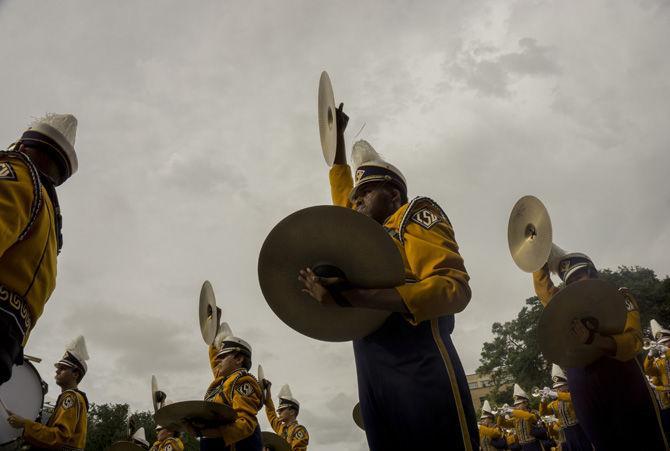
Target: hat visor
x=559, y=384
x=65, y=363
x=520, y=401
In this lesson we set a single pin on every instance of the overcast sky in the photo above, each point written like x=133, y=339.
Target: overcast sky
x=198, y=133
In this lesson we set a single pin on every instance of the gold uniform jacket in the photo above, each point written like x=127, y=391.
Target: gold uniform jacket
x=295, y=434
x=486, y=435
x=66, y=428
x=628, y=343
x=28, y=243
x=561, y=408
x=169, y=444
x=522, y=422
x=658, y=368
x=241, y=391
x=425, y=239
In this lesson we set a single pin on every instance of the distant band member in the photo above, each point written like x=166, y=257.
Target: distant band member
x=167, y=440
x=234, y=386
x=522, y=420
x=607, y=392
x=491, y=437
x=561, y=408
x=657, y=367
x=30, y=228
x=411, y=385
x=139, y=438
x=284, y=420
x=66, y=428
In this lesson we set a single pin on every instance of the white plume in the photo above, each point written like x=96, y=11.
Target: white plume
x=285, y=392
x=363, y=153
x=77, y=347
x=64, y=123
x=224, y=333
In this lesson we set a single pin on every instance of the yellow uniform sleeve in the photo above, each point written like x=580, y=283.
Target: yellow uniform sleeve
x=299, y=439
x=629, y=342
x=544, y=287
x=246, y=401
x=340, y=184
x=16, y=198
x=503, y=422
x=212, y=358
x=522, y=414
x=490, y=432
x=64, y=428
x=432, y=255
x=564, y=396
x=271, y=413
x=547, y=408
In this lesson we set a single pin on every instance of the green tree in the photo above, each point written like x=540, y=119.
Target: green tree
x=514, y=354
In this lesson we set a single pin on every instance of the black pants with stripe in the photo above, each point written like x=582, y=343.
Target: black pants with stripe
x=408, y=399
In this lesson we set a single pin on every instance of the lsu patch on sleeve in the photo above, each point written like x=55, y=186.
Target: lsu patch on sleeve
x=426, y=218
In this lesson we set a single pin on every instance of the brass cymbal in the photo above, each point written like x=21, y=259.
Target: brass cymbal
x=199, y=414
x=596, y=300
x=327, y=119
x=358, y=416
x=327, y=237
x=208, y=313
x=529, y=234
x=274, y=442
x=125, y=446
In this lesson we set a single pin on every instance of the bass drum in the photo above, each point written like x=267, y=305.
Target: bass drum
x=23, y=394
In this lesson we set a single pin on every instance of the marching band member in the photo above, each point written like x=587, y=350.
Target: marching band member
x=561, y=408
x=167, y=440
x=30, y=228
x=284, y=419
x=522, y=420
x=233, y=385
x=657, y=366
x=614, y=383
x=491, y=437
x=139, y=438
x=411, y=385
x=66, y=428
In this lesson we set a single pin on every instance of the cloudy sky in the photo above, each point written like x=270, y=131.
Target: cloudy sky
x=198, y=132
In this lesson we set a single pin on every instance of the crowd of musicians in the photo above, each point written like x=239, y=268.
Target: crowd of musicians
x=411, y=385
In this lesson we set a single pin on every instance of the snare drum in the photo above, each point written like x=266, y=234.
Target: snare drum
x=23, y=395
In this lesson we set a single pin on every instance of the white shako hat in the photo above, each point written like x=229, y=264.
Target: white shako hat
x=55, y=133
x=659, y=333
x=286, y=399
x=75, y=355
x=486, y=410
x=568, y=264
x=225, y=342
x=558, y=376
x=140, y=436
x=519, y=395
x=369, y=166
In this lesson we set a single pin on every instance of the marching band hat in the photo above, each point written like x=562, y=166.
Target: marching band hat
x=371, y=167
x=286, y=399
x=558, y=376
x=225, y=342
x=659, y=333
x=520, y=396
x=75, y=355
x=140, y=437
x=567, y=265
x=56, y=134
x=487, y=412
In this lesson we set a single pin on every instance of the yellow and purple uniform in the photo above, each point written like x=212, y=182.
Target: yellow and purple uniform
x=570, y=431
x=488, y=435
x=28, y=242
x=66, y=428
x=611, y=385
x=410, y=358
x=169, y=444
x=241, y=391
x=659, y=368
x=294, y=433
x=523, y=423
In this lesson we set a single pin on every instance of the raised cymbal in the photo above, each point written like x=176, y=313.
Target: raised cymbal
x=208, y=313
x=595, y=299
x=274, y=442
x=327, y=119
x=200, y=414
x=318, y=237
x=358, y=416
x=125, y=446
x=529, y=234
